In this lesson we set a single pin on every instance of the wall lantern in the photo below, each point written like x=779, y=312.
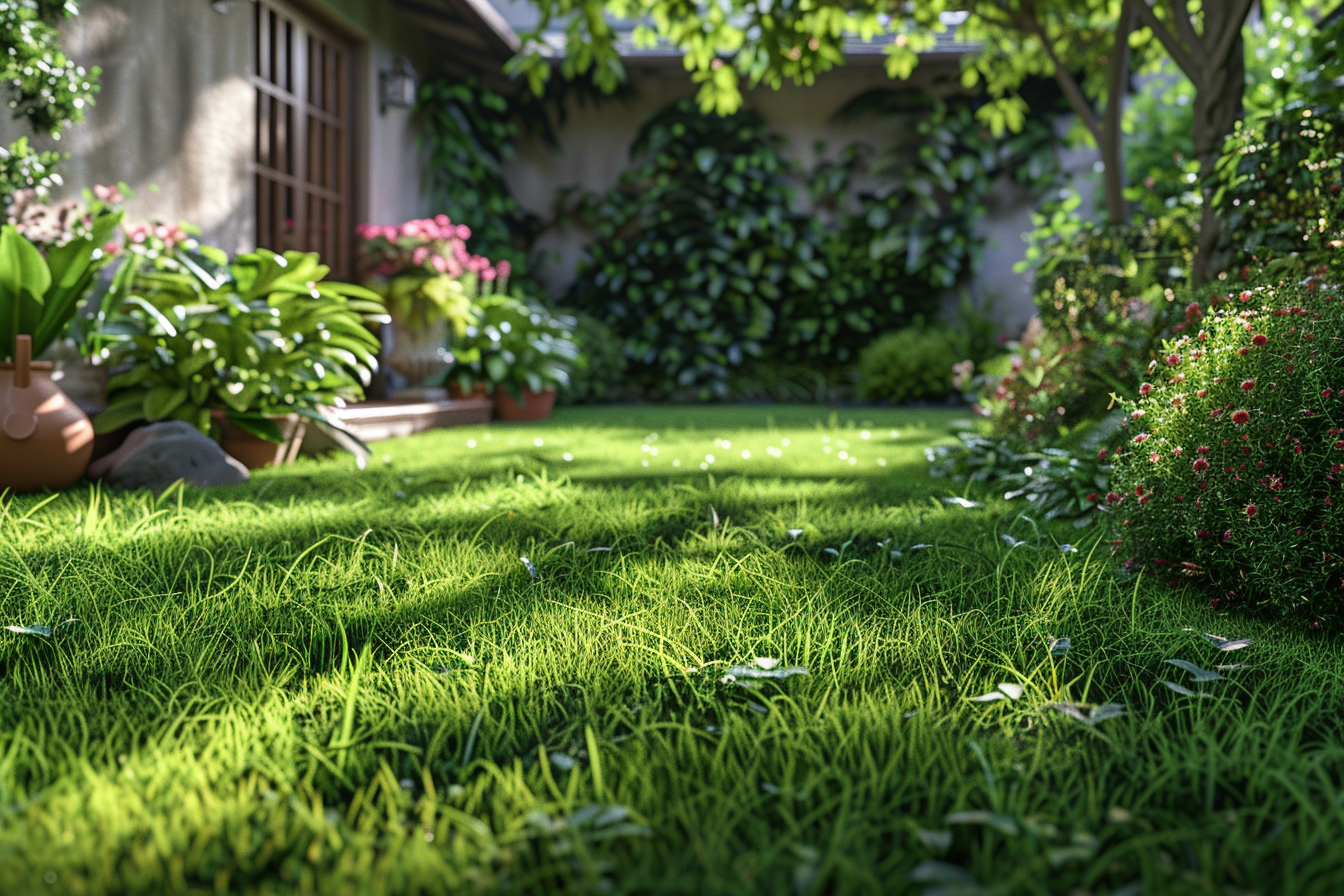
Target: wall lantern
x=396, y=86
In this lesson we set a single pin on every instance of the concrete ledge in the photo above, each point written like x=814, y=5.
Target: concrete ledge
x=374, y=421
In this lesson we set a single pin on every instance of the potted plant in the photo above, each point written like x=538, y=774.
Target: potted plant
x=518, y=351
x=428, y=280
x=248, y=351
x=45, y=439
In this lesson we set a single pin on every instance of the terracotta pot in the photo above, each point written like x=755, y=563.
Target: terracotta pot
x=255, y=452
x=535, y=405
x=478, y=390
x=45, y=439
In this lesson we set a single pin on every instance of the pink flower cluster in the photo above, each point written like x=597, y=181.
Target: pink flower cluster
x=426, y=245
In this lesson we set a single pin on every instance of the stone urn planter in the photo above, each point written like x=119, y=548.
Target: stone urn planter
x=416, y=353
x=533, y=407
x=255, y=452
x=45, y=439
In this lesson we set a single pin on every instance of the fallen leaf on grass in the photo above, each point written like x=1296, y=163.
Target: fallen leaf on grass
x=531, y=570
x=1001, y=823
x=1059, y=647
x=1094, y=715
x=1225, y=644
x=1005, y=690
x=794, y=533
x=962, y=502
x=1182, y=689
x=737, y=672
x=1011, y=541
x=938, y=841
x=42, y=631
x=1195, y=671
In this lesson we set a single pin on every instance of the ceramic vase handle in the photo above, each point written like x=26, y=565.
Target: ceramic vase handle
x=23, y=357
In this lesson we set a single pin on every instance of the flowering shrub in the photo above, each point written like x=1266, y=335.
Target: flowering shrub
x=424, y=272
x=1234, y=450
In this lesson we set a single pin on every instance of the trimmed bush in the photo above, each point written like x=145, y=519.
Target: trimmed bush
x=1231, y=465
x=910, y=364
x=599, y=374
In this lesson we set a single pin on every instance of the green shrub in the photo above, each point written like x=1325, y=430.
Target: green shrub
x=910, y=364
x=599, y=372
x=1232, y=460
x=697, y=247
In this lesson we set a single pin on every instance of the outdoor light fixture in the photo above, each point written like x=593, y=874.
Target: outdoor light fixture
x=396, y=86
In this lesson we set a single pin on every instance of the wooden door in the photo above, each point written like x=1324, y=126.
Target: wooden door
x=303, y=165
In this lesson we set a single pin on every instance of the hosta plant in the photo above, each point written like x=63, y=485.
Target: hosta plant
x=257, y=338
x=1234, y=451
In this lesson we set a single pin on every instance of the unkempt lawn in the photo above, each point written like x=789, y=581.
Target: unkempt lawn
x=333, y=681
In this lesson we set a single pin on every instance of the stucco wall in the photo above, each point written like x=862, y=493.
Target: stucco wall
x=595, y=141
x=175, y=116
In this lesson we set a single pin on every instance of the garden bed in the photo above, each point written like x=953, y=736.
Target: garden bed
x=329, y=680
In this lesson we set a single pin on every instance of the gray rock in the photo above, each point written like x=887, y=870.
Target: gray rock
x=160, y=454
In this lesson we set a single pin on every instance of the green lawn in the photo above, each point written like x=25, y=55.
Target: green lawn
x=335, y=681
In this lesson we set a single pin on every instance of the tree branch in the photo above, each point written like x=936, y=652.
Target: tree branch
x=1236, y=18
x=1072, y=92
x=1170, y=42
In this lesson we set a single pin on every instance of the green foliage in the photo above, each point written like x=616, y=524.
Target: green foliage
x=697, y=249
x=910, y=364
x=45, y=89
x=895, y=250
x=41, y=288
x=599, y=370
x=1232, y=466
x=1282, y=175
x=513, y=344
x=467, y=135
x=258, y=337
x=1057, y=484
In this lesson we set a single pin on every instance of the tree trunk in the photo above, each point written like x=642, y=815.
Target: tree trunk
x=1109, y=137
x=1217, y=109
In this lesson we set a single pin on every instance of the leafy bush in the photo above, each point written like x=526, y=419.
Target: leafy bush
x=1234, y=453
x=698, y=247
x=910, y=364
x=44, y=87
x=599, y=371
x=258, y=337
x=513, y=344
x=895, y=249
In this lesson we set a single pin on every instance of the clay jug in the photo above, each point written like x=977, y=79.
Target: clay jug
x=45, y=439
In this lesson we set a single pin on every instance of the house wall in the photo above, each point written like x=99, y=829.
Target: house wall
x=594, y=144
x=174, y=119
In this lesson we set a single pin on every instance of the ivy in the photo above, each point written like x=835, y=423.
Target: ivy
x=468, y=132
x=697, y=249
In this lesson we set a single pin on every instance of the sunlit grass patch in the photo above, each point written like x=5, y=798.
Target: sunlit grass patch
x=783, y=673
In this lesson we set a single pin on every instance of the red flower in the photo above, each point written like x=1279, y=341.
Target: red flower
x=1240, y=418
x=1259, y=339
x=1145, y=388
x=1112, y=498
x=1144, y=499
x=1101, y=454
x=1200, y=465
x=1202, y=449
x=1141, y=437
x=1173, y=359
x=1246, y=296
x=1155, y=457
x=1247, y=385
x=1202, y=392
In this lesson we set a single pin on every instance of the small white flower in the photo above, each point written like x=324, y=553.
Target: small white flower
x=567, y=456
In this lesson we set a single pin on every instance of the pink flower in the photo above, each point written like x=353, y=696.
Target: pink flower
x=1251, y=510
x=1200, y=465
x=463, y=232
x=1240, y=418
x=1173, y=359
x=440, y=263
x=1141, y=437
x=110, y=195
x=420, y=255
x=1259, y=339
x=1145, y=389
x=505, y=269
x=1247, y=385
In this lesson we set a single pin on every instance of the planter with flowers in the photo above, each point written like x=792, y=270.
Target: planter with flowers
x=517, y=351
x=428, y=281
x=250, y=349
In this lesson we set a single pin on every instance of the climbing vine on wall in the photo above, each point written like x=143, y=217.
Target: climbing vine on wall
x=468, y=133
